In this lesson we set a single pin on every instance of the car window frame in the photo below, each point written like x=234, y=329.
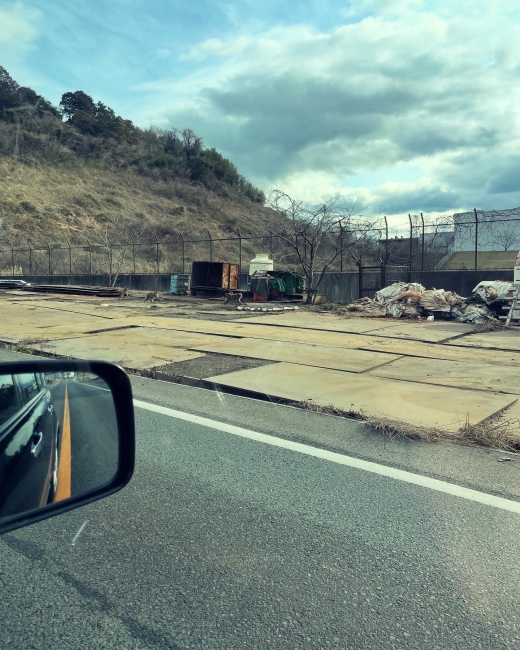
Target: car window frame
x=28, y=402
x=6, y=426
x=119, y=383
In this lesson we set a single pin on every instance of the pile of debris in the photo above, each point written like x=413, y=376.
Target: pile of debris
x=366, y=307
x=412, y=300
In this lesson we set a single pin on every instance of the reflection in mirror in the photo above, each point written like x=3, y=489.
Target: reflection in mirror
x=58, y=438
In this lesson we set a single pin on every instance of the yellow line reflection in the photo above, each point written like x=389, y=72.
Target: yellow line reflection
x=65, y=467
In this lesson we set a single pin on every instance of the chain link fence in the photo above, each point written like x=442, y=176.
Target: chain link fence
x=478, y=239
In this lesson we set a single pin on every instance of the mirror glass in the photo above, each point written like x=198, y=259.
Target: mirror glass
x=58, y=438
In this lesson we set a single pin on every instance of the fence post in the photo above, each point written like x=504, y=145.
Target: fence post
x=50, y=256
x=422, y=245
x=110, y=259
x=157, y=253
x=360, y=279
x=183, y=250
x=30, y=259
x=386, y=241
x=271, y=243
x=89, y=258
x=476, y=238
x=341, y=248
x=411, y=241
x=70, y=257
x=12, y=258
x=133, y=254
x=210, y=247
x=239, y=251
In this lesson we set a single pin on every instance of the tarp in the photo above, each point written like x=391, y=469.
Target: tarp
x=390, y=293
x=491, y=291
x=476, y=314
x=440, y=300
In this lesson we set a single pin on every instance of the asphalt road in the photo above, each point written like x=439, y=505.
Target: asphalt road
x=93, y=432
x=223, y=542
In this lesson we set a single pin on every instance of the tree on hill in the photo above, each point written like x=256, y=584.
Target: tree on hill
x=86, y=129
x=80, y=111
x=9, y=97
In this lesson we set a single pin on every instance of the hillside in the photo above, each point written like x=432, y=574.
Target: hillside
x=78, y=173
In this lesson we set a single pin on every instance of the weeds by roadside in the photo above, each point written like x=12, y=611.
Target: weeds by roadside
x=496, y=432
x=492, y=325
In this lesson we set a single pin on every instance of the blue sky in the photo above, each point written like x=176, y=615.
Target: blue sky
x=401, y=105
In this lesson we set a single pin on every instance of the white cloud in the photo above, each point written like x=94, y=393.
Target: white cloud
x=309, y=110
x=18, y=31
x=162, y=53
x=380, y=7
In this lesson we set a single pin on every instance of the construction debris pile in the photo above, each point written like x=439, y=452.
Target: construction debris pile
x=366, y=307
x=412, y=300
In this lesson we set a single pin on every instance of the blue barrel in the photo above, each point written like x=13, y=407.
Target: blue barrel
x=180, y=283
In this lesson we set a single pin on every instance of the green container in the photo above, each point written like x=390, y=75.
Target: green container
x=290, y=283
x=180, y=283
x=293, y=283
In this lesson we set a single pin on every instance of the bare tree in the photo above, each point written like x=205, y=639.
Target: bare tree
x=317, y=235
x=507, y=235
x=116, y=239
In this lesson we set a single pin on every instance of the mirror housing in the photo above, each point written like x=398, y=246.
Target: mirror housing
x=53, y=376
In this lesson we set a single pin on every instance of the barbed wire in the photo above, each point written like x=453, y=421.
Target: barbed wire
x=427, y=244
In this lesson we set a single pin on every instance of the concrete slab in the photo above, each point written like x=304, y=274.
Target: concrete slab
x=444, y=351
x=335, y=339
x=327, y=322
x=500, y=340
x=418, y=405
x=241, y=328
x=79, y=307
x=436, y=332
x=482, y=376
x=414, y=330
x=21, y=322
x=133, y=348
x=310, y=355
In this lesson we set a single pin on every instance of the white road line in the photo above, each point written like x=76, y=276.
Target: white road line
x=81, y=528
x=81, y=383
x=367, y=466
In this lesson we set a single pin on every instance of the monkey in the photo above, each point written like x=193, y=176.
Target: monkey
x=123, y=293
x=152, y=296
x=233, y=299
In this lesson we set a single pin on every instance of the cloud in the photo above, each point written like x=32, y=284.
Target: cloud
x=310, y=107
x=505, y=177
x=302, y=108
x=380, y=7
x=232, y=13
x=18, y=31
x=162, y=53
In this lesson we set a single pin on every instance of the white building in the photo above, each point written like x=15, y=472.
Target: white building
x=497, y=230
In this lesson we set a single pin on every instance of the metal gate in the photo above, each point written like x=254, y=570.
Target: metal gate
x=374, y=278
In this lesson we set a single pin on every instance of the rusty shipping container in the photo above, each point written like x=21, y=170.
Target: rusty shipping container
x=214, y=276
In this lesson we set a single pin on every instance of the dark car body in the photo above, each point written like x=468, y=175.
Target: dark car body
x=29, y=443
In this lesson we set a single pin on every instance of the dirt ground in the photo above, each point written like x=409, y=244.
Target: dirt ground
x=210, y=364
x=430, y=377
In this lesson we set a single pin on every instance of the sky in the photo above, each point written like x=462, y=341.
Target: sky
x=402, y=106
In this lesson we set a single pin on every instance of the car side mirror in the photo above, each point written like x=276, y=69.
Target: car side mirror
x=67, y=437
